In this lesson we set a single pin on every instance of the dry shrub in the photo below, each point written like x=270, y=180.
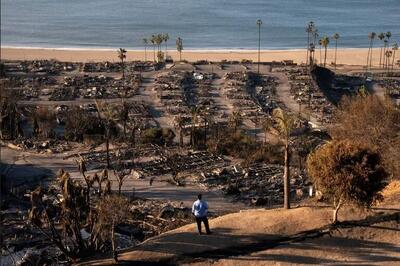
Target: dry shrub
x=374, y=122
x=345, y=171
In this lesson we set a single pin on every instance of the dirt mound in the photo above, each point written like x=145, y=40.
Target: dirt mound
x=392, y=189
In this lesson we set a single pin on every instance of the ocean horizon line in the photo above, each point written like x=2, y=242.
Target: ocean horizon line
x=149, y=49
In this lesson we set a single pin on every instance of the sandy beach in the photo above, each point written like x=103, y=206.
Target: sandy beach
x=348, y=56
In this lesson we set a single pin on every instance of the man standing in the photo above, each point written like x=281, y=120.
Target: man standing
x=199, y=210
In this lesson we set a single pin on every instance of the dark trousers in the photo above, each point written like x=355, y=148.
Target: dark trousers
x=205, y=221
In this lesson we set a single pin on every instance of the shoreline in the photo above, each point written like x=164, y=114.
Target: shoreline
x=346, y=56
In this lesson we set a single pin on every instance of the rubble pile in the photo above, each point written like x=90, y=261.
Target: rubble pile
x=101, y=67
x=64, y=94
x=192, y=162
x=205, y=101
x=151, y=218
x=23, y=241
x=391, y=86
x=251, y=94
x=307, y=93
x=51, y=67
x=109, y=67
x=260, y=184
x=37, y=145
x=28, y=87
x=96, y=87
x=98, y=159
x=347, y=84
x=176, y=92
x=64, y=81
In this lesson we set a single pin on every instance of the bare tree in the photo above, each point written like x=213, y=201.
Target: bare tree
x=121, y=170
x=112, y=211
x=106, y=114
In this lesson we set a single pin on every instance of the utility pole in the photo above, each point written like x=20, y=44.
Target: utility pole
x=259, y=23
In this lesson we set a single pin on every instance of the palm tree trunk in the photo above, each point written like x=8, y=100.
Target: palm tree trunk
x=380, y=57
x=154, y=52
x=326, y=51
x=335, y=53
x=259, y=48
x=145, y=53
x=384, y=56
x=315, y=46
x=394, y=55
x=166, y=50
x=308, y=47
x=123, y=70
x=369, y=51
x=286, y=178
x=370, y=58
x=320, y=55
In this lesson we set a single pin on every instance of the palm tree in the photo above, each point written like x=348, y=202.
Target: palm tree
x=325, y=43
x=122, y=57
x=179, y=47
x=388, y=36
x=336, y=36
x=158, y=40
x=285, y=124
x=381, y=37
x=388, y=55
x=315, y=36
x=371, y=37
x=320, y=51
x=259, y=23
x=312, y=53
x=145, y=42
x=309, y=30
x=385, y=46
x=166, y=39
x=153, y=42
x=394, y=48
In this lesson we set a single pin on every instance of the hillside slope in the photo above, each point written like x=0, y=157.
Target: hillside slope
x=268, y=237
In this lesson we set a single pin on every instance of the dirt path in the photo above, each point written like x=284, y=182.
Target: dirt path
x=283, y=92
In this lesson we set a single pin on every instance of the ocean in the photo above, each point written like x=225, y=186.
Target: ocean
x=202, y=24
